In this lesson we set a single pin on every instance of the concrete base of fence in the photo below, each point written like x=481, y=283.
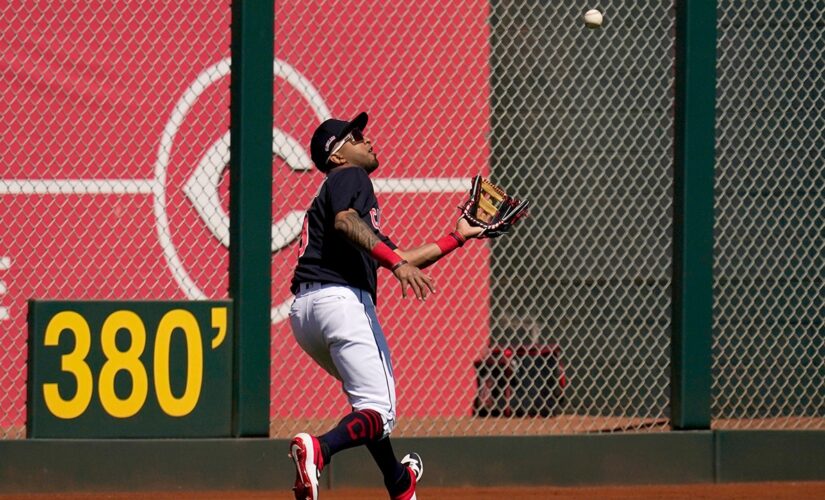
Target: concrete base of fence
x=262, y=464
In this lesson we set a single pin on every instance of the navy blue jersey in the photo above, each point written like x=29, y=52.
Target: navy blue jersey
x=326, y=254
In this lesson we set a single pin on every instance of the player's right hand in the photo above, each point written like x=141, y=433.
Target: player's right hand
x=410, y=276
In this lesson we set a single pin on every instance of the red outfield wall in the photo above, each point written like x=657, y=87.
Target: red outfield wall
x=113, y=180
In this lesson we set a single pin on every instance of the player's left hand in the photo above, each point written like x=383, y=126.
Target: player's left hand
x=410, y=276
x=466, y=230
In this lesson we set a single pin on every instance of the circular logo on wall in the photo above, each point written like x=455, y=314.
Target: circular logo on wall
x=190, y=186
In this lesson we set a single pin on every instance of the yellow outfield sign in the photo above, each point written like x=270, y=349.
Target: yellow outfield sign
x=116, y=369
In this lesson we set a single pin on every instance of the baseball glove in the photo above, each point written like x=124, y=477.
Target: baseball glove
x=489, y=207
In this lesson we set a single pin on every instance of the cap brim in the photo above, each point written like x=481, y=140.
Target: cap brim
x=359, y=122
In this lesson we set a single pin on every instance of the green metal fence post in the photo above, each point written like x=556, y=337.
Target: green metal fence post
x=250, y=209
x=693, y=213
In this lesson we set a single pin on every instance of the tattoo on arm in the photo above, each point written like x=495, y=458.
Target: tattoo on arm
x=349, y=223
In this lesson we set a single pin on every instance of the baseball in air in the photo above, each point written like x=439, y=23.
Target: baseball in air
x=593, y=19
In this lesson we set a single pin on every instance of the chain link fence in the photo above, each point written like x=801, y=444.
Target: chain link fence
x=586, y=130
x=578, y=121
x=769, y=342
x=421, y=71
x=114, y=186
x=114, y=116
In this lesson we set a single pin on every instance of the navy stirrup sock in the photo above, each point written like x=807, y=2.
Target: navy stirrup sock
x=395, y=474
x=357, y=428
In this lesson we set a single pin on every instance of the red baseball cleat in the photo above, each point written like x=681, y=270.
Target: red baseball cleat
x=305, y=451
x=415, y=467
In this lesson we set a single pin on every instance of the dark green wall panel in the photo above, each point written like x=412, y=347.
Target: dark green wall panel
x=262, y=464
x=140, y=465
x=770, y=456
x=540, y=460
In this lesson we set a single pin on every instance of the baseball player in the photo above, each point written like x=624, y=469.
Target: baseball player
x=333, y=316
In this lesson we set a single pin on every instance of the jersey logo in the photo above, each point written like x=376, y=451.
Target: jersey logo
x=375, y=217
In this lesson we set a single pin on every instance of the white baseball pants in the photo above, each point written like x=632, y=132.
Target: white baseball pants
x=337, y=326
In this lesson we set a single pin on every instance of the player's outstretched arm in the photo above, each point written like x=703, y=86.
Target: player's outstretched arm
x=409, y=275
x=429, y=253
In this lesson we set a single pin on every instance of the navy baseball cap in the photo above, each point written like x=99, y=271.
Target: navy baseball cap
x=328, y=134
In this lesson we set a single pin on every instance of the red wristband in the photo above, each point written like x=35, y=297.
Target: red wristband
x=450, y=242
x=385, y=256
